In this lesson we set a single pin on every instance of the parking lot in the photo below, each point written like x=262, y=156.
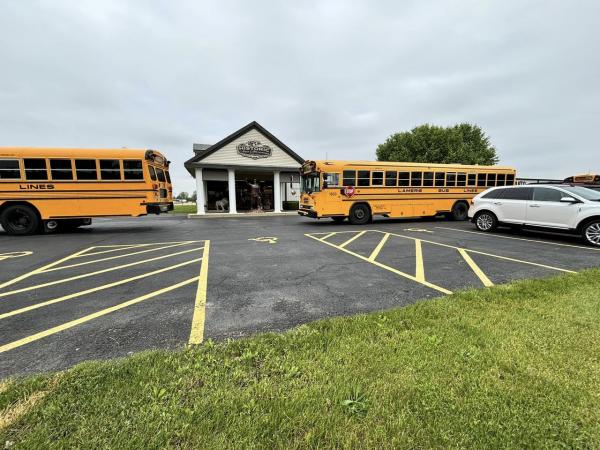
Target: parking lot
x=126, y=285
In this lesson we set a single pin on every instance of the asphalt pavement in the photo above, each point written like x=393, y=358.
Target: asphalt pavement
x=127, y=285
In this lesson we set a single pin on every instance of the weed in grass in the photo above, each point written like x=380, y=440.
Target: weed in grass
x=356, y=403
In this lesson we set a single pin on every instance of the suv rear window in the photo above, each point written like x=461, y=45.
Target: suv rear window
x=496, y=193
x=520, y=193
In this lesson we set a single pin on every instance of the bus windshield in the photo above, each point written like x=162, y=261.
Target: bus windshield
x=310, y=183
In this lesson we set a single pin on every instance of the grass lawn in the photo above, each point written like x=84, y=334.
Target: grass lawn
x=184, y=209
x=515, y=366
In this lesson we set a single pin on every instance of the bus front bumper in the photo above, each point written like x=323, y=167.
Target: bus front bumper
x=308, y=213
x=158, y=208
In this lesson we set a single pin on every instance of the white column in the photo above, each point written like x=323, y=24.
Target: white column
x=276, y=192
x=199, y=192
x=231, y=187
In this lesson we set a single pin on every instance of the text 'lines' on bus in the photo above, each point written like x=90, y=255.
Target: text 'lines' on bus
x=359, y=190
x=51, y=188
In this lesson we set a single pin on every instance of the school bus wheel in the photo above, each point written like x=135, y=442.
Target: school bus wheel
x=360, y=214
x=460, y=211
x=20, y=219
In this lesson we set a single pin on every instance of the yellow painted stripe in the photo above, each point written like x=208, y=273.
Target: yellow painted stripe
x=129, y=246
x=419, y=266
x=41, y=269
x=95, y=289
x=383, y=266
x=73, y=323
x=475, y=268
x=379, y=247
x=313, y=235
x=521, y=239
x=85, y=275
x=114, y=257
x=327, y=236
x=353, y=238
x=199, y=316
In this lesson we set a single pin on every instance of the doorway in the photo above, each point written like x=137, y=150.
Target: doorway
x=254, y=191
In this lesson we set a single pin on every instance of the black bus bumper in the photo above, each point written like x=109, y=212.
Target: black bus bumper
x=158, y=208
x=307, y=213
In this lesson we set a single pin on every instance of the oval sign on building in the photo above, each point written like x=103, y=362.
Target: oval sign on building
x=254, y=150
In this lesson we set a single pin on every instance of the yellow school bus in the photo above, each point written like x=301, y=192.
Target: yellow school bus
x=51, y=188
x=359, y=190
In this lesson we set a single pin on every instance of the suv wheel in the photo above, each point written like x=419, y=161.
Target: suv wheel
x=360, y=214
x=486, y=221
x=591, y=233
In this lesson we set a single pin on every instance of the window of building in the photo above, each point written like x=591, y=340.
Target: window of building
x=541, y=194
x=364, y=178
x=161, y=176
x=440, y=179
x=349, y=177
x=61, y=169
x=110, y=169
x=390, y=178
x=491, y=179
x=416, y=179
x=9, y=169
x=404, y=179
x=451, y=179
x=377, y=178
x=427, y=179
x=133, y=169
x=329, y=180
x=35, y=169
x=461, y=179
x=86, y=169
x=471, y=179
x=481, y=179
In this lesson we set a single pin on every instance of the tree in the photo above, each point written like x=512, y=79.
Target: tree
x=184, y=196
x=461, y=144
x=193, y=197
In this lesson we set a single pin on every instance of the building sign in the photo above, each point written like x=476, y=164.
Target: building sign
x=254, y=150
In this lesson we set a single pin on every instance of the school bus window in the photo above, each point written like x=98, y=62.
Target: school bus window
x=331, y=180
x=364, y=178
x=377, y=179
x=132, y=169
x=461, y=179
x=510, y=179
x=168, y=176
x=481, y=179
x=451, y=179
x=501, y=179
x=9, y=169
x=161, y=175
x=35, y=169
x=440, y=179
x=61, y=169
x=428, y=179
x=416, y=178
x=349, y=177
x=86, y=169
x=404, y=179
x=390, y=178
x=152, y=173
x=471, y=179
x=110, y=169
x=491, y=180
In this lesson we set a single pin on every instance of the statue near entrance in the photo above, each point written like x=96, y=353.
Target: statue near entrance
x=255, y=197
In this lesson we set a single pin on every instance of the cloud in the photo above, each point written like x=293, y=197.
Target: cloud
x=331, y=77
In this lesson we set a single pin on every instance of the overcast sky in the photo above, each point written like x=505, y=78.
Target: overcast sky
x=335, y=77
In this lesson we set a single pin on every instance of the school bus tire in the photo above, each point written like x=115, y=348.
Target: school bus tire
x=360, y=214
x=20, y=219
x=460, y=211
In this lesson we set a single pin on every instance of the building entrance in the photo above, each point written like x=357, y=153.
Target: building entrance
x=254, y=191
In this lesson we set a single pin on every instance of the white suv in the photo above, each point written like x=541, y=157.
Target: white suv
x=572, y=209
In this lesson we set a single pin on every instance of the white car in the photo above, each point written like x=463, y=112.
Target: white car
x=565, y=208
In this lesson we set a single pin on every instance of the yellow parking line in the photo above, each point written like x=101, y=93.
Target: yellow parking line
x=383, y=266
x=85, y=275
x=114, y=257
x=420, y=267
x=327, y=236
x=379, y=247
x=95, y=289
x=349, y=241
x=73, y=323
x=475, y=268
x=41, y=269
x=199, y=316
x=520, y=239
x=129, y=246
